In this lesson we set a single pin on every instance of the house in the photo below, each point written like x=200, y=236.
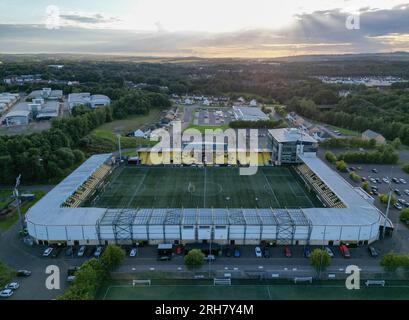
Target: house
x=369, y=135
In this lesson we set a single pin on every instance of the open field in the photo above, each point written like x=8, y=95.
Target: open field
x=131, y=123
x=253, y=292
x=194, y=187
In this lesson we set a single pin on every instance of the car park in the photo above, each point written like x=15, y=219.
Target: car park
x=307, y=252
x=372, y=251
x=344, y=251
x=12, y=286
x=81, y=251
x=47, y=251
x=133, y=252
x=6, y=293
x=287, y=252
x=258, y=252
x=329, y=251
x=98, y=252
x=23, y=273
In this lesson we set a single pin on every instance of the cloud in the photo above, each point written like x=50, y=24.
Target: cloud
x=319, y=32
x=82, y=18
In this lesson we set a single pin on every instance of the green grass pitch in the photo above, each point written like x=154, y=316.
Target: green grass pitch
x=254, y=292
x=195, y=187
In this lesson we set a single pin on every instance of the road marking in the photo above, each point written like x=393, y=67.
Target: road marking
x=260, y=267
x=151, y=269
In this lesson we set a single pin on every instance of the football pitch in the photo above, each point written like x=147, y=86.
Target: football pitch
x=253, y=292
x=203, y=187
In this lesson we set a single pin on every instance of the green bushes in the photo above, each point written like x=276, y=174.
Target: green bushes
x=6, y=274
x=348, y=143
x=354, y=176
x=341, y=165
x=406, y=168
x=91, y=275
x=320, y=259
x=404, y=215
x=194, y=259
x=380, y=156
x=392, y=262
x=330, y=156
x=383, y=198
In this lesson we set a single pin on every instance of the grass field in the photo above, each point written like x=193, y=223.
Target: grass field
x=253, y=292
x=193, y=187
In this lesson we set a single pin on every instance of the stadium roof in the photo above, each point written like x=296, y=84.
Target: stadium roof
x=358, y=209
x=290, y=135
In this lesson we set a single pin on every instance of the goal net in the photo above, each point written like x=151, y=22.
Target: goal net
x=303, y=279
x=141, y=282
x=222, y=281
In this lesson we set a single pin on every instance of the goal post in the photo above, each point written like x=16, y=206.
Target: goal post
x=302, y=279
x=222, y=282
x=146, y=282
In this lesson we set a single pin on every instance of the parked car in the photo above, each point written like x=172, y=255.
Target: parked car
x=398, y=192
x=133, y=252
x=71, y=279
x=402, y=201
x=237, y=253
x=81, y=251
x=6, y=293
x=98, y=252
x=47, y=251
x=72, y=270
x=378, y=180
x=395, y=180
x=258, y=252
x=398, y=206
x=307, y=252
x=403, y=181
x=210, y=257
x=344, y=251
x=406, y=192
x=56, y=252
x=372, y=180
x=329, y=251
x=287, y=252
x=385, y=180
x=266, y=252
x=164, y=258
x=69, y=251
x=375, y=170
x=363, y=179
x=375, y=192
x=372, y=251
x=12, y=286
x=23, y=273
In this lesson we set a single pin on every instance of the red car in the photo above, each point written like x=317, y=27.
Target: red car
x=345, y=251
x=287, y=252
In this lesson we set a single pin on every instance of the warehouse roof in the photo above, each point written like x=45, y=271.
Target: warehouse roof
x=18, y=113
x=249, y=114
x=290, y=135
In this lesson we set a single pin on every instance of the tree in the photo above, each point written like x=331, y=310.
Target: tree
x=341, y=165
x=330, y=156
x=390, y=262
x=365, y=185
x=112, y=257
x=320, y=259
x=384, y=198
x=406, y=168
x=396, y=143
x=6, y=274
x=404, y=215
x=354, y=176
x=195, y=258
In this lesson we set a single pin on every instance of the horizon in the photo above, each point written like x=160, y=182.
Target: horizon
x=211, y=29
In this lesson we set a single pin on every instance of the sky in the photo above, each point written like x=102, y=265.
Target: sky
x=204, y=28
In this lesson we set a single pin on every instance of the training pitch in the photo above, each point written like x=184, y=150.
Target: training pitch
x=252, y=292
x=203, y=187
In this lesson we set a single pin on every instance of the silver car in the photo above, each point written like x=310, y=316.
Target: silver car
x=329, y=251
x=81, y=251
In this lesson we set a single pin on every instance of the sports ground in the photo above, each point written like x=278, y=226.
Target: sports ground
x=253, y=292
x=203, y=187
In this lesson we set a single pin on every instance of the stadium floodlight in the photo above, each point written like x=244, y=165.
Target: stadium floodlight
x=119, y=147
x=387, y=207
x=17, y=197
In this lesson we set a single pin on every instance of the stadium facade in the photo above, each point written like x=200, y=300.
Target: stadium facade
x=348, y=216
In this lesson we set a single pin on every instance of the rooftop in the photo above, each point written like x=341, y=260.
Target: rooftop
x=249, y=113
x=291, y=135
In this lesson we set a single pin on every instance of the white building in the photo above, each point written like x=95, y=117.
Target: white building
x=253, y=103
x=46, y=94
x=86, y=99
x=18, y=117
x=249, y=114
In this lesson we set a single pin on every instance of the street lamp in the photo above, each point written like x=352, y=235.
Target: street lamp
x=387, y=208
x=119, y=147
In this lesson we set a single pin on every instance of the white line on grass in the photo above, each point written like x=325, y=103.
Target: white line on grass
x=272, y=191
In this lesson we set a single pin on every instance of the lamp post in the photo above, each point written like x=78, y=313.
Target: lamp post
x=119, y=147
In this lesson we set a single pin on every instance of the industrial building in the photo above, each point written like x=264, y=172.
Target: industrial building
x=347, y=217
x=46, y=94
x=17, y=117
x=7, y=100
x=86, y=99
x=249, y=114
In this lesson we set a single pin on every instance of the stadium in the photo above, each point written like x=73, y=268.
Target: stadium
x=294, y=199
